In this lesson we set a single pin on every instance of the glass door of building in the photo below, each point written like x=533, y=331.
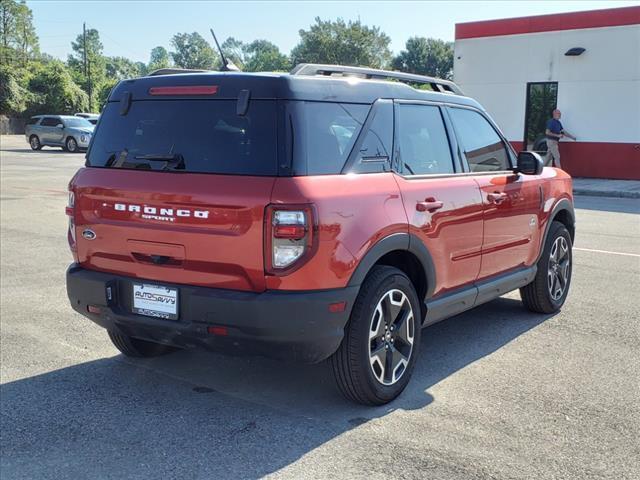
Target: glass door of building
x=542, y=98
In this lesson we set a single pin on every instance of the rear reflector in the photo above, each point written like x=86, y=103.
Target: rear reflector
x=222, y=331
x=337, y=307
x=185, y=90
x=93, y=309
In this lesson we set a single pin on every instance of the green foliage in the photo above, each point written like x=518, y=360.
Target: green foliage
x=120, y=68
x=192, y=51
x=14, y=98
x=264, y=56
x=55, y=91
x=103, y=93
x=95, y=75
x=426, y=56
x=234, y=50
x=159, y=58
x=342, y=43
x=18, y=39
x=257, y=56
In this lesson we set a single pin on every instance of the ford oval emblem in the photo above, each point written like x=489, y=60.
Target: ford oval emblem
x=89, y=234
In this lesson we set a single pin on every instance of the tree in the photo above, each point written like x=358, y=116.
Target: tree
x=342, y=43
x=234, y=50
x=120, y=68
x=264, y=56
x=257, y=56
x=18, y=39
x=192, y=51
x=426, y=56
x=55, y=91
x=159, y=58
x=96, y=74
x=14, y=98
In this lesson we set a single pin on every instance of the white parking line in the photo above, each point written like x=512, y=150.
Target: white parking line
x=607, y=251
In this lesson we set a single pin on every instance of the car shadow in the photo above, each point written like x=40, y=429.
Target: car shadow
x=198, y=414
x=47, y=150
x=608, y=204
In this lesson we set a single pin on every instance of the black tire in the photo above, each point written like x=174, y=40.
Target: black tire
x=538, y=296
x=357, y=378
x=34, y=142
x=134, y=347
x=71, y=145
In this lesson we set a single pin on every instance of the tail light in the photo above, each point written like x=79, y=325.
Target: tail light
x=71, y=233
x=289, y=237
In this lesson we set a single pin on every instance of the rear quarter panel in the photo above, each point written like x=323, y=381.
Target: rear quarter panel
x=354, y=212
x=556, y=186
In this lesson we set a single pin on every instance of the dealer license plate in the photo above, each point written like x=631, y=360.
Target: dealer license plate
x=155, y=301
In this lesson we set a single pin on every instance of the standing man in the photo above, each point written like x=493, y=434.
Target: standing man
x=554, y=132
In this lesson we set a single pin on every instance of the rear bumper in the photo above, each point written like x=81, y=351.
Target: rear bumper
x=288, y=325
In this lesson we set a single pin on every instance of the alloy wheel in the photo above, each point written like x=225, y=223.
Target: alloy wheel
x=391, y=337
x=559, y=268
x=72, y=146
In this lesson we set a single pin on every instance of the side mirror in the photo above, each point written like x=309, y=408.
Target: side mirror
x=529, y=163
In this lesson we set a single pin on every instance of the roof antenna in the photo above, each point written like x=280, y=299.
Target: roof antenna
x=227, y=65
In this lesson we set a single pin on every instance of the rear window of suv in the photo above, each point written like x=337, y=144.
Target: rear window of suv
x=199, y=136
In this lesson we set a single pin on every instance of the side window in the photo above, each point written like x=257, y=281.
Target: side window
x=50, y=121
x=423, y=145
x=33, y=120
x=373, y=153
x=482, y=146
x=331, y=130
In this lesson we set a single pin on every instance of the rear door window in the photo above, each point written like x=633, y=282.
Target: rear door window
x=50, y=122
x=203, y=136
x=33, y=120
x=372, y=154
x=422, y=142
x=483, y=147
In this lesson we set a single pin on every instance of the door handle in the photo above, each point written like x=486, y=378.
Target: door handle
x=429, y=205
x=497, y=197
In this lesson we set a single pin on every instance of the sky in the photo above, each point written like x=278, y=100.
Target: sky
x=132, y=28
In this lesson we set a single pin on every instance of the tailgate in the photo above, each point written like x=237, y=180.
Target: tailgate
x=188, y=228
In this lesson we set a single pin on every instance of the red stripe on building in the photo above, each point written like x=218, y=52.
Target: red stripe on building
x=611, y=17
x=599, y=159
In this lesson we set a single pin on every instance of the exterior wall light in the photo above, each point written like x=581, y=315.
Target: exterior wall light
x=575, y=51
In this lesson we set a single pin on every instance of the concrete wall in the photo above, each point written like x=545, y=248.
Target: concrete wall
x=11, y=125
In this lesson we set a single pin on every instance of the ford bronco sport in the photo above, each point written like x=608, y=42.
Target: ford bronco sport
x=329, y=213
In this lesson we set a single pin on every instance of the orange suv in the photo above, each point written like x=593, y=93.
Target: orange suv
x=328, y=213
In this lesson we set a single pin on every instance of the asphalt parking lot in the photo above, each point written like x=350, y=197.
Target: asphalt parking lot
x=497, y=393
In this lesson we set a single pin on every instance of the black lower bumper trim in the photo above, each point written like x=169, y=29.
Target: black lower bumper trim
x=287, y=325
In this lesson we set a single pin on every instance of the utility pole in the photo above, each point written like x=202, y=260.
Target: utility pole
x=84, y=47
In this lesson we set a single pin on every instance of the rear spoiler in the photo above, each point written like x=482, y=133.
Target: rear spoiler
x=175, y=71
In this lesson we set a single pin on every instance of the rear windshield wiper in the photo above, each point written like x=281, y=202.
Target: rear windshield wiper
x=172, y=161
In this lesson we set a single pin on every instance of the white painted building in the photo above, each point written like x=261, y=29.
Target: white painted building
x=519, y=69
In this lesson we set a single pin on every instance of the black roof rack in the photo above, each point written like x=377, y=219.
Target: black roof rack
x=436, y=84
x=174, y=71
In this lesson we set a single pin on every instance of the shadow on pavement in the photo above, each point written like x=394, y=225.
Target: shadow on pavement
x=197, y=414
x=45, y=150
x=608, y=204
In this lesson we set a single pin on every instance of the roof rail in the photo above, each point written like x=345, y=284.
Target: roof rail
x=436, y=84
x=174, y=71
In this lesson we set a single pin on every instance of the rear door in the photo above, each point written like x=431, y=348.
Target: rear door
x=444, y=208
x=512, y=202
x=176, y=192
x=48, y=132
